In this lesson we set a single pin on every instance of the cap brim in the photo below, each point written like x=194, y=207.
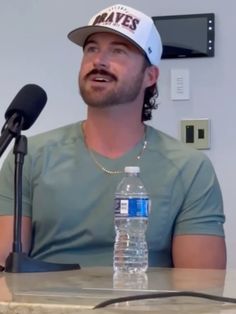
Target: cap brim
x=79, y=35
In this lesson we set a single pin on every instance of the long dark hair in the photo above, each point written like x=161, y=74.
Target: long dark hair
x=150, y=102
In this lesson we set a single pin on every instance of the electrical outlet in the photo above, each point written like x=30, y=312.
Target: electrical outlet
x=196, y=133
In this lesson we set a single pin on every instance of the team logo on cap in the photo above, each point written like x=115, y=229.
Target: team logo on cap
x=117, y=19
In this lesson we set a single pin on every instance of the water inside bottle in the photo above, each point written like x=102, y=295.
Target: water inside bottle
x=130, y=250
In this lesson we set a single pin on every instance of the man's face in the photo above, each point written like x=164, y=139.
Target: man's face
x=112, y=71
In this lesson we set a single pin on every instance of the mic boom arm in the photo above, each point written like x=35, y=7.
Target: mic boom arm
x=20, y=115
x=11, y=129
x=17, y=261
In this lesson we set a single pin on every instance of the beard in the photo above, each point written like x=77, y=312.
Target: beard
x=121, y=93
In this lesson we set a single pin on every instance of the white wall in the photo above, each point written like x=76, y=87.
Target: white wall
x=34, y=49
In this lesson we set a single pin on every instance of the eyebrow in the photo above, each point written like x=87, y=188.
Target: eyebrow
x=118, y=43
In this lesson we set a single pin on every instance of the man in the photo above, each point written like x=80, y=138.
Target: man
x=70, y=174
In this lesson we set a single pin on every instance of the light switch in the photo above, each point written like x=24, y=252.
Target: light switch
x=196, y=133
x=189, y=130
x=180, y=84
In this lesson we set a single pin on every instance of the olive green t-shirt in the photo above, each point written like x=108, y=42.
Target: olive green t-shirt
x=70, y=200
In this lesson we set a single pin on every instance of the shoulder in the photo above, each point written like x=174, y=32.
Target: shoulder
x=178, y=161
x=173, y=150
x=54, y=138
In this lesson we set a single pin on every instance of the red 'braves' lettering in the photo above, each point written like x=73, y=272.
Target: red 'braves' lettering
x=119, y=16
x=116, y=17
x=100, y=18
x=134, y=24
x=110, y=18
x=127, y=20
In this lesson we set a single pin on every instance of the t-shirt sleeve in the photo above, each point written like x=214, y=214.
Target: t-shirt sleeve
x=7, y=187
x=202, y=209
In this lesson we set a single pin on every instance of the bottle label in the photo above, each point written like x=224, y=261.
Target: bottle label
x=131, y=207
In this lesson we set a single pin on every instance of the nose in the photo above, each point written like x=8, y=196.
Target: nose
x=101, y=60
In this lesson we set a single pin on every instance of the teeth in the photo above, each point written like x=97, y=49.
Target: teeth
x=101, y=79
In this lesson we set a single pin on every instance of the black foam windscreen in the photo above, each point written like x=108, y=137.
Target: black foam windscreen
x=28, y=103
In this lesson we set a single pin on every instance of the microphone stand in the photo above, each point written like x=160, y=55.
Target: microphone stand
x=17, y=261
x=10, y=129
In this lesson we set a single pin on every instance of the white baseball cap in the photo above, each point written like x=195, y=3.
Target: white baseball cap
x=127, y=22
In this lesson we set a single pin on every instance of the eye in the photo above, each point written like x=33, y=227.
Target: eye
x=90, y=48
x=119, y=50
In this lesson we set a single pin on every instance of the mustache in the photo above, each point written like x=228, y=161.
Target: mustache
x=101, y=72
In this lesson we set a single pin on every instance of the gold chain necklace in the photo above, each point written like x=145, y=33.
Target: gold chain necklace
x=101, y=167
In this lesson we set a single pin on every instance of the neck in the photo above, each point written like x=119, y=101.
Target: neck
x=111, y=135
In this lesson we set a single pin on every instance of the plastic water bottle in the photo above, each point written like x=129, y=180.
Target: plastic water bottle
x=130, y=281
x=131, y=217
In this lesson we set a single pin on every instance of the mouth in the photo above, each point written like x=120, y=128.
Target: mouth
x=100, y=79
x=100, y=76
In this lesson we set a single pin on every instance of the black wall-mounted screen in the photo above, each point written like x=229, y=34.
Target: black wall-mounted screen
x=187, y=36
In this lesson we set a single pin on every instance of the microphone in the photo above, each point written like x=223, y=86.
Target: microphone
x=22, y=113
x=28, y=103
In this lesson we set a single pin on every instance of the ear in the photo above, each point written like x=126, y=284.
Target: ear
x=151, y=75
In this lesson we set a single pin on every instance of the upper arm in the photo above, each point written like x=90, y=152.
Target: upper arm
x=198, y=239
x=6, y=236
x=199, y=251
